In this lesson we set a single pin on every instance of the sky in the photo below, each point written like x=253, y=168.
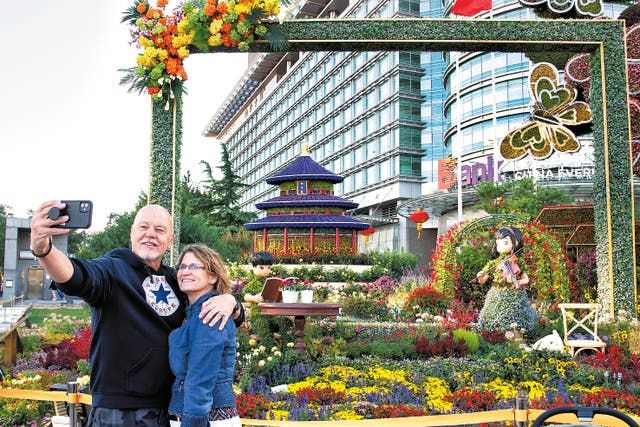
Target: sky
x=68, y=130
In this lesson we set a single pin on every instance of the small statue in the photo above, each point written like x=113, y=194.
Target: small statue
x=506, y=306
x=260, y=263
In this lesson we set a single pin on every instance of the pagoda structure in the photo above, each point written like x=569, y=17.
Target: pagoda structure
x=306, y=219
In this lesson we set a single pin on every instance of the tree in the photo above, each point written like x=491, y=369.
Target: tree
x=115, y=234
x=524, y=198
x=5, y=211
x=225, y=194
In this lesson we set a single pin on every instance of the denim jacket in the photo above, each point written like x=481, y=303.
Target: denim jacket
x=202, y=359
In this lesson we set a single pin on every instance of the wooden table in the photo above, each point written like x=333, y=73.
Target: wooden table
x=299, y=311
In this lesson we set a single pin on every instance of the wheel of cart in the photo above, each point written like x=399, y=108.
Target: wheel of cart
x=586, y=417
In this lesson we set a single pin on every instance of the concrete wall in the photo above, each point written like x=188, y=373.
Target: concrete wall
x=20, y=264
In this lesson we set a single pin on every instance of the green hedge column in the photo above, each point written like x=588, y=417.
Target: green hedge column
x=612, y=181
x=166, y=143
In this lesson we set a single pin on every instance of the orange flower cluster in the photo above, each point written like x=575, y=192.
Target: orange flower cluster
x=164, y=40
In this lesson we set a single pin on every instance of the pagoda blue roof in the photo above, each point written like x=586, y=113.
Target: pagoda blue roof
x=307, y=201
x=304, y=167
x=307, y=221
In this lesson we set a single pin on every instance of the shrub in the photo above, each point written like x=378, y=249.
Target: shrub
x=395, y=262
x=493, y=337
x=426, y=299
x=442, y=345
x=584, y=278
x=361, y=305
x=460, y=315
x=471, y=339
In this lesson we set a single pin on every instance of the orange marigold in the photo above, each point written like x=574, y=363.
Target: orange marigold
x=141, y=7
x=222, y=8
x=210, y=9
x=153, y=89
x=151, y=13
x=163, y=3
x=172, y=66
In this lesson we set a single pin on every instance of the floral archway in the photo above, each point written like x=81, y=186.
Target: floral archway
x=547, y=264
x=604, y=39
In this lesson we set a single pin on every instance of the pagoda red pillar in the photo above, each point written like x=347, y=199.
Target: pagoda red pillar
x=255, y=241
x=285, y=242
x=354, y=243
x=337, y=241
x=311, y=241
x=264, y=239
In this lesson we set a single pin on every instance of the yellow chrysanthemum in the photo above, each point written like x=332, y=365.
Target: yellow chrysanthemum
x=183, y=52
x=215, y=26
x=348, y=414
x=182, y=39
x=215, y=40
x=293, y=388
x=278, y=415
x=144, y=42
x=536, y=390
x=502, y=389
x=182, y=25
x=147, y=59
x=435, y=390
x=242, y=7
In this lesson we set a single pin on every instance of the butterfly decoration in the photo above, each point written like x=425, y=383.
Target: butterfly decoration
x=554, y=106
x=591, y=8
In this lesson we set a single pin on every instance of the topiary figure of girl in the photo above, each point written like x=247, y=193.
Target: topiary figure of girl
x=506, y=306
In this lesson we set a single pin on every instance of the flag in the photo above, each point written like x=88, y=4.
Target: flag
x=470, y=7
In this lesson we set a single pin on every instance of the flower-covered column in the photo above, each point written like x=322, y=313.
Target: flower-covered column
x=164, y=167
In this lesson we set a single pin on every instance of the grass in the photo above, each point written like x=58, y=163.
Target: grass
x=37, y=315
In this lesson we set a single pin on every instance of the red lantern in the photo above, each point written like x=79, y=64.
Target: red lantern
x=419, y=216
x=366, y=233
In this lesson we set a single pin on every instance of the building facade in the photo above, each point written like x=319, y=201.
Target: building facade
x=23, y=274
x=385, y=121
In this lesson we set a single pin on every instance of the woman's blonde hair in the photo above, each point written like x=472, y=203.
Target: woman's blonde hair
x=212, y=262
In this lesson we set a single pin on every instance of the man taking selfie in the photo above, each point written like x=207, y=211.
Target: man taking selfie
x=135, y=303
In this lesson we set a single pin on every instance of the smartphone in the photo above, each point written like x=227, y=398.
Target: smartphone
x=78, y=211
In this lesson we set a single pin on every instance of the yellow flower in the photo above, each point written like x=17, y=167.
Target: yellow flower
x=183, y=52
x=182, y=40
x=182, y=25
x=348, y=414
x=215, y=26
x=215, y=40
x=261, y=363
x=144, y=42
x=278, y=414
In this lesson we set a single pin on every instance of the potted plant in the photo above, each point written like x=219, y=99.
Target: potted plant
x=290, y=289
x=306, y=292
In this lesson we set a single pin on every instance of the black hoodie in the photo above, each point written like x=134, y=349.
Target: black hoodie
x=133, y=309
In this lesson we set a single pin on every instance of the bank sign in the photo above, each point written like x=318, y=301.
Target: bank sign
x=473, y=173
